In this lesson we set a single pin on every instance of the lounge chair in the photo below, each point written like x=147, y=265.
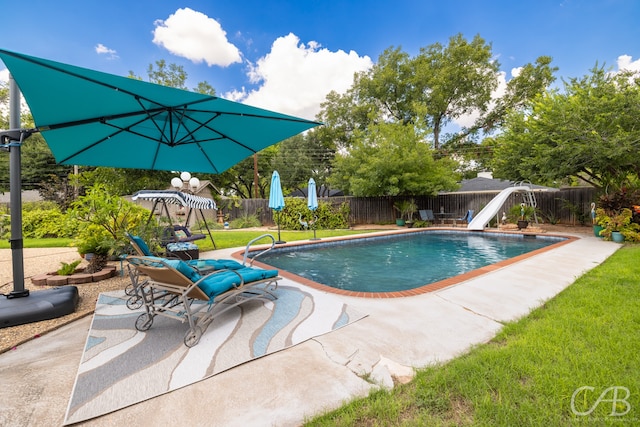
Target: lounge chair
x=427, y=215
x=141, y=248
x=173, y=287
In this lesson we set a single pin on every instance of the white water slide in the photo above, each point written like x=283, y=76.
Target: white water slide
x=493, y=207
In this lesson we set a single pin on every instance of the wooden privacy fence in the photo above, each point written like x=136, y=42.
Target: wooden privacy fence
x=566, y=206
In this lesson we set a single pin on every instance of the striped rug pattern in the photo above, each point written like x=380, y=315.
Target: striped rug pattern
x=122, y=366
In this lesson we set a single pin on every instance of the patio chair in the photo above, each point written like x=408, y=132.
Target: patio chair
x=466, y=218
x=427, y=215
x=178, y=291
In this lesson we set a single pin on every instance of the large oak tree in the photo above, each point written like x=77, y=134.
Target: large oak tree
x=588, y=131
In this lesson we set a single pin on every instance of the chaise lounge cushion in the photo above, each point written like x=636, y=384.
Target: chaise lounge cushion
x=216, y=284
x=216, y=264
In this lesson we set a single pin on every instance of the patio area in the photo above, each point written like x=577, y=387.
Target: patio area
x=285, y=388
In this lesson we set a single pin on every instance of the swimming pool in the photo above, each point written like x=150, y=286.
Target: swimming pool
x=400, y=262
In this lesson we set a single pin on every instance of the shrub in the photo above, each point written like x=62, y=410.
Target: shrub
x=515, y=213
x=103, y=220
x=68, y=269
x=245, y=221
x=329, y=216
x=618, y=221
x=41, y=223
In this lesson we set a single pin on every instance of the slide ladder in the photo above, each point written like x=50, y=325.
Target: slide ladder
x=493, y=207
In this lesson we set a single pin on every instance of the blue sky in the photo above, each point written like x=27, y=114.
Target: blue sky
x=287, y=55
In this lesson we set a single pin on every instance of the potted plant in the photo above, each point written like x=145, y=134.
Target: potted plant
x=406, y=210
x=617, y=225
x=522, y=214
x=597, y=228
x=411, y=210
x=95, y=246
x=401, y=207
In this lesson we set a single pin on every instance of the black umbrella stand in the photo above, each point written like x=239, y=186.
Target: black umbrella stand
x=20, y=306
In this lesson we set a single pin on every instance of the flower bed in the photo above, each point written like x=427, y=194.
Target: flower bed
x=79, y=277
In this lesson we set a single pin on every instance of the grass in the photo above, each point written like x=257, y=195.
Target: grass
x=527, y=375
x=40, y=243
x=224, y=238
x=239, y=238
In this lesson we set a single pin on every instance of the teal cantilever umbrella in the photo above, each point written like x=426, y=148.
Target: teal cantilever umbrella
x=96, y=119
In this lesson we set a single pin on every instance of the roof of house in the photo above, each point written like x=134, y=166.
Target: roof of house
x=488, y=184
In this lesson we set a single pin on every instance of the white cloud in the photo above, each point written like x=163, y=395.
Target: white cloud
x=195, y=36
x=103, y=50
x=295, y=78
x=625, y=63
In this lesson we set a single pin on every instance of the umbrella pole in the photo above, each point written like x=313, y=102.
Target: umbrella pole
x=44, y=304
x=314, y=232
x=278, y=222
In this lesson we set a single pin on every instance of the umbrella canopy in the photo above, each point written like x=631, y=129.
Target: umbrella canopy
x=276, y=199
x=98, y=119
x=176, y=198
x=312, y=200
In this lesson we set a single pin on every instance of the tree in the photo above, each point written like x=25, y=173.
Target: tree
x=453, y=81
x=123, y=181
x=587, y=132
x=172, y=75
x=531, y=81
x=392, y=159
x=429, y=92
x=239, y=180
x=302, y=157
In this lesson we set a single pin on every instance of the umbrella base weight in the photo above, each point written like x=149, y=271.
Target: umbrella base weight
x=39, y=305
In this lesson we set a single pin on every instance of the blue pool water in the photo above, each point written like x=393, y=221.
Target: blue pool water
x=400, y=262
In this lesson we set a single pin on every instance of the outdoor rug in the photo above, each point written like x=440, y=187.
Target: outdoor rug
x=121, y=366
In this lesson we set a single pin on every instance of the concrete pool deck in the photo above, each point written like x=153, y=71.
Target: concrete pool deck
x=285, y=388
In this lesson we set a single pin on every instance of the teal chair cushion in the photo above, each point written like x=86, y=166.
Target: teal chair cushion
x=184, y=268
x=216, y=284
x=141, y=244
x=217, y=264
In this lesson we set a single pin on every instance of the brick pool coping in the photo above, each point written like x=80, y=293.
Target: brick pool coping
x=431, y=287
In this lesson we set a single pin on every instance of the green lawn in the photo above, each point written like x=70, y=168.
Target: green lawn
x=223, y=238
x=239, y=238
x=40, y=243
x=588, y=335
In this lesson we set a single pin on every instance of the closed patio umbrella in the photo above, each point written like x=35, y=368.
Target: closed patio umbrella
x=312, y=204
x=276, y=199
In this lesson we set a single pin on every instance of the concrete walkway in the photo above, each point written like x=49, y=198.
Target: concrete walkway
x=285, y=388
